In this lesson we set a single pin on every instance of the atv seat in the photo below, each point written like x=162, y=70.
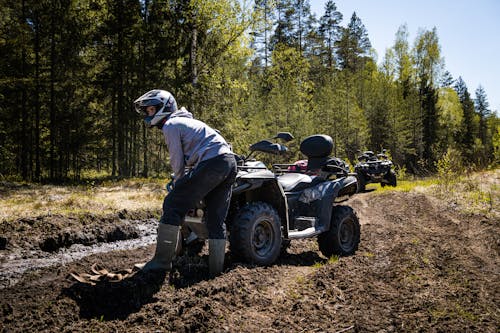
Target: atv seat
x=296, y=181
x=317, y=148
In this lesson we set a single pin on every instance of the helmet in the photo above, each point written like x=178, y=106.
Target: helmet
x=162, y=100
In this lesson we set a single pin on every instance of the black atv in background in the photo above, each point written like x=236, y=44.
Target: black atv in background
x=374, y=169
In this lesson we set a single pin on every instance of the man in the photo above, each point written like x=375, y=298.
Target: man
x=191, y=144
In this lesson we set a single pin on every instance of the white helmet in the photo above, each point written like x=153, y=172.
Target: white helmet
x=162, y=100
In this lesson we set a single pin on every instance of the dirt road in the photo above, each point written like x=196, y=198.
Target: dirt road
x=421, y=266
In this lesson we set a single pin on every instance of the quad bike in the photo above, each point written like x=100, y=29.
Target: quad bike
x=374, y=169
x=269, y=209
x=193, y=230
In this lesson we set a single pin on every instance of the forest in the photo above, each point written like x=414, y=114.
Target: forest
x=70, y=70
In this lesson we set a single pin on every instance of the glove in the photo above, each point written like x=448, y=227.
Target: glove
x=170, y=186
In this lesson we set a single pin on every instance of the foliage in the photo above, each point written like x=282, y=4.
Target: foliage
x=450, y=167
x=70, y=70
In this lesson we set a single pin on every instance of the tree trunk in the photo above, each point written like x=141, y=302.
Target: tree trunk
x=25, y=128
x=122, y=163
x=194, y=65
x=52, y=108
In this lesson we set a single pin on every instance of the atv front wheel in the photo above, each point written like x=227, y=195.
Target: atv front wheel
x=344, y=234
x=361, y=183
x=255, y=234
x=391, y=178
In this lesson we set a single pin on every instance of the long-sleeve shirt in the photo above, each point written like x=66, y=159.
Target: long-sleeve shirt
x=191, y=141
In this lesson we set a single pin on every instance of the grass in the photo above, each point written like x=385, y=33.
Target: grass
x=30, y=200
x=406, y=185
x=369, y=254
x=331, y=261
x=473, y=193
x=477, y=192
x=454, y=310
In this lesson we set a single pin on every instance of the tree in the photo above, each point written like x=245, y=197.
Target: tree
x=450, y=117
x=483, y=111
x=409, y=126
x=447, y=80
x=353, y=46
x=290, y=92
x=70, y=70
x=428, y=64
x=294, y=23
x=469, y=130
x=330, y=30
x=262, y=30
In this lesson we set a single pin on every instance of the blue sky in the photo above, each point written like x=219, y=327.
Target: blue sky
x=468, y=31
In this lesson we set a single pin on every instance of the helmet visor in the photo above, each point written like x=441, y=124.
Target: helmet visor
x=142, y=105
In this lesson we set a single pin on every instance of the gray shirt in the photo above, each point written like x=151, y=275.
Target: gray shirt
x=191, y=141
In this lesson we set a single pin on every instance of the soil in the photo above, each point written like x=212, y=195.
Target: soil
x=421, y=266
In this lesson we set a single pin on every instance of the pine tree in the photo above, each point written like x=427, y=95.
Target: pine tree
x=484, y=113
x=294, y=24
x=330, y=31
x=262, y=31
x=353, y=46
x=469, y=131
x=447, y=80
x=482, y=109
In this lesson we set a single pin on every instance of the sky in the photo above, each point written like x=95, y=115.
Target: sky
x=468, y=31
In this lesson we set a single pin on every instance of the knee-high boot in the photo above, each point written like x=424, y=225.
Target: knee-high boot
x=216, y=254
x=166, y=244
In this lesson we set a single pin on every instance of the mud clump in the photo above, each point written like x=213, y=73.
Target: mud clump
x=3, y=243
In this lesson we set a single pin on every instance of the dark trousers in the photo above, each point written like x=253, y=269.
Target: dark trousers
x=211, y=180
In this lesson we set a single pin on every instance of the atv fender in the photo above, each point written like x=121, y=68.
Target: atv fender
x=263, y=186
x=321, y=198
x=348, y=187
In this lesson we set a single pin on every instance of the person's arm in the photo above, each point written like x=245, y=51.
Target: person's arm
x=174, y=144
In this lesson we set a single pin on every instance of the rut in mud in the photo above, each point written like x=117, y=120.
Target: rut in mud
x=421, y=266
x=50, y=241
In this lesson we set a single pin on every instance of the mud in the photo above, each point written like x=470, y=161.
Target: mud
x=421, y=266
x=49, y=241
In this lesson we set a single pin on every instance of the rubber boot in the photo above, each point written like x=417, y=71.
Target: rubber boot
x=216, y=254
x=166, y=244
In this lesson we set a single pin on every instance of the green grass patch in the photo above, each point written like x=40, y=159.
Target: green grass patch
x=333, y=260
x=318, y=264
x=452, y=310
x=406, y=185
x=471, y=192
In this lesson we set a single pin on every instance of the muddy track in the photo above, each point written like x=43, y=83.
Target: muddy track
x=50, y=241
x=421, y=266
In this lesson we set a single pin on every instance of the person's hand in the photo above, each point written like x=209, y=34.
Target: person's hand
x=170, y=186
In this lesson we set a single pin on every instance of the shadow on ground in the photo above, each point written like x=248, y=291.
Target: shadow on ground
x=115, y=300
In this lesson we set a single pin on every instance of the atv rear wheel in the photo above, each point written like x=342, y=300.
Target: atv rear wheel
x=255, y=234
x=344, y=234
